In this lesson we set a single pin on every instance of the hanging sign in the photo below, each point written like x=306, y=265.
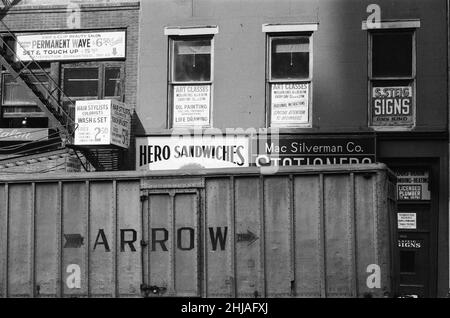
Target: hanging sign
x=289, y=104
x=71, y=46
x=406, y=220
x=392, y=106
x=184, y=152
x=412, y=185
x=102, y=122
x=191, y=105
x=314, y=150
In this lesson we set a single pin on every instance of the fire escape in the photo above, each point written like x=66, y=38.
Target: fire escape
x=31, y=76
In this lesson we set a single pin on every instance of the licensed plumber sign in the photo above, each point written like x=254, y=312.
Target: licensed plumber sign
x=71, y=46
x=102, y=122
x=184, y=152
x=312, y=150
x=392, y=106
x=413, y=184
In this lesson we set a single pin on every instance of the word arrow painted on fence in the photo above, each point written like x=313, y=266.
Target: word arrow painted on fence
x=73, y=240
x=249, y=237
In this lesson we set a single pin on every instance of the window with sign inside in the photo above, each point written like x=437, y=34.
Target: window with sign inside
x=190, y=81
x=289, y=80
x=86, y=81
x=392, y=78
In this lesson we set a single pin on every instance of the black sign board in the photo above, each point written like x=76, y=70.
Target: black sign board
x=314, y=150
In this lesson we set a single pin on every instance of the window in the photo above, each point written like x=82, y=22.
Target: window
x=16, y=100
x=191, y=75
x=392, y=76
x=289, y=80
x=84, y=81
x=191, y=81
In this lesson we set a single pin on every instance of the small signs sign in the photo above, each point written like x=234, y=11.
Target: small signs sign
x=187, y=152
x=412, y=184
x=102, y=122
x=71, y=46
x=191, y=105
x=314, y=150
x=410, y=243
x=289, y=104
x=392, y=106
x=406, y=221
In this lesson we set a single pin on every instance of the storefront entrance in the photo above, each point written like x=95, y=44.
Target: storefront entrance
x=416, y=229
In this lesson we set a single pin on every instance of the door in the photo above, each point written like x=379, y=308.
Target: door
x=415, y=224
x=171, y=243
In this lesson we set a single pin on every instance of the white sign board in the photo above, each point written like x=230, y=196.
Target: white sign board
x=71, y=46
x=102, y=122
x=289, y=104
x=191, y=105
x=191, y=152
x=406, y=221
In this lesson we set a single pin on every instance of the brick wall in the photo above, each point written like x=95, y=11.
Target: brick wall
x=95, y=15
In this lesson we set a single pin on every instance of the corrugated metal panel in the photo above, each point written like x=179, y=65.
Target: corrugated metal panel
x=299, y=233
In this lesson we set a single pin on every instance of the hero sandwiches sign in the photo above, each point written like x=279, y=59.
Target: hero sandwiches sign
x=71, y=46
x=191, y=152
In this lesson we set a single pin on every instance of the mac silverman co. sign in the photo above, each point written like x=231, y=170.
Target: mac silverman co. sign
x=314, y=150
x=71, y=46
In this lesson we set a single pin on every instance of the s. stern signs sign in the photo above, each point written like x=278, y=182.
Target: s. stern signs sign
x=392, y=107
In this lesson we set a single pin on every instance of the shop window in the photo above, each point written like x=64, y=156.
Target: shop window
x=392, y=76
x=289, y=80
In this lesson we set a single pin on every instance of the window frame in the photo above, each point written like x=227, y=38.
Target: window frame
x=269, y=81
x=412, y=79
x=172, y=38
x=19, y=114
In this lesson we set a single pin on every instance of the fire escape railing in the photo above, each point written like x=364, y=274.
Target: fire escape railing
x=29, y=74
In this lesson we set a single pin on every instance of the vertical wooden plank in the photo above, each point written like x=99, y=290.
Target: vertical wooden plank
x=116, y=250
x=292, y=246
x=172, y=233
x=33, y=240
x=20, y=240
x=129, y=212
x=186, y=246
x=218, y=237
x=47, y=239
x=102, y=231
x=338, y=262
x=277, y=236
x=262, y=239
x=247, y=215
x=4, y=238
x=352, y=237
x=59, y=233
x=308, y=211
x=74, y=205
x=160, y=245
x=232, y=227
x=322, y=239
